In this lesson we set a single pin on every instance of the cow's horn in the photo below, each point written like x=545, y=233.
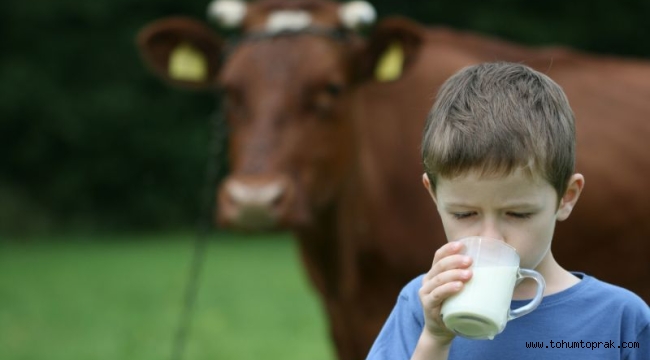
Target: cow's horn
x=355, y=14
x=227, y=13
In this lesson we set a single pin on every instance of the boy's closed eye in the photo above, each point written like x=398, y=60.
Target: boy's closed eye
x=517, y=215
x=463, y=215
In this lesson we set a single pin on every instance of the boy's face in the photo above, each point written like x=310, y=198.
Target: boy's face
x=517, y=208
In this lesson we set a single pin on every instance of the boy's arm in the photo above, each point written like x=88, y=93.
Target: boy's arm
x=447, y=276
x=430, y=348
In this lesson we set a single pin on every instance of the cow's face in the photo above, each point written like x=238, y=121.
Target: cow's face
x=287, y=101
x=288, y=87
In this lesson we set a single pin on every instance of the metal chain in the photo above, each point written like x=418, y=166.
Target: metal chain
x=204, y=224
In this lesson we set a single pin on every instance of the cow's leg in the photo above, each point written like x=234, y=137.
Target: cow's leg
x=320, y=259
x=355, y=324
x=356, y=319
x=342, y=331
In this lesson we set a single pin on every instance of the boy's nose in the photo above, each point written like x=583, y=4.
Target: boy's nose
x=491, y=230
x=500, y=238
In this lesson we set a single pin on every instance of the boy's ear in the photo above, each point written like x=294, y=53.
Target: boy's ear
x=427, y=185
x=570, y=197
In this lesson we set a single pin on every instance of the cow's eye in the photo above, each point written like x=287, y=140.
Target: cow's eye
x=334, y=89
x=322, y=100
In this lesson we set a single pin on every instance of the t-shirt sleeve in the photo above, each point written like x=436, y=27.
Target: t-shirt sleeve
x=639, y=349
x=403, y=327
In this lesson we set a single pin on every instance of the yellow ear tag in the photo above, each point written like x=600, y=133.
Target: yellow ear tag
x=186, y=63
x=389, y=66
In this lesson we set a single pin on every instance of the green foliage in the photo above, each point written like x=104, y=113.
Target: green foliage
x=89, y=138
x=121, y=297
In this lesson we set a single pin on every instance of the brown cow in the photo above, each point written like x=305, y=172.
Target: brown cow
x=320, y=147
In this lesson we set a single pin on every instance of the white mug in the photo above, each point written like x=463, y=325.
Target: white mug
x=482, y=309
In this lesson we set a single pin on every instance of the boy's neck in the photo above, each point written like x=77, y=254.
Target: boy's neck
x=556, y=277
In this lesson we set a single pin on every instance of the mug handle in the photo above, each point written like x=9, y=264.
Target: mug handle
x=532, y=305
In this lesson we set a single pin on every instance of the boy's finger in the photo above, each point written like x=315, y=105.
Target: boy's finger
x=447, y=263
x=448, y=276
x=445, y=251
x=449, y=248
x=435, y=298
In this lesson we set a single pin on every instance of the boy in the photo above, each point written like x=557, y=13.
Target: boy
x=499, y=152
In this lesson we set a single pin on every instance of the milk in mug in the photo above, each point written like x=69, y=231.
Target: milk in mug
x=482, y=308
x=483, y=305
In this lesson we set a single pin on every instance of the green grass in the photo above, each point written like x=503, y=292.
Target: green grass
x=105, y=298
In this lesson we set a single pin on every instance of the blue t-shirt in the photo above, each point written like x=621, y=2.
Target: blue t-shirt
x=590, y=320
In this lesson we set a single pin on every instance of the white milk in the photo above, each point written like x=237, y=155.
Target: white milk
x=481, y=309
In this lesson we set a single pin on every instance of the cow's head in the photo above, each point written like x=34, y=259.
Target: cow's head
x=288, y=82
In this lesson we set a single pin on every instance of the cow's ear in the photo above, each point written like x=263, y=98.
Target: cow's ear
x=390, y=50
x=182, y=51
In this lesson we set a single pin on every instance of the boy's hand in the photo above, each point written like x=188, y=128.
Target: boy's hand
x=447, y=276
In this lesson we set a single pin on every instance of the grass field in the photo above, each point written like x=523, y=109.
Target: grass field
x=120, y=298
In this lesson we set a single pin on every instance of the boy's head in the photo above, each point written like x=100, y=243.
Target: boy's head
x=499, y=153
x=495, y=118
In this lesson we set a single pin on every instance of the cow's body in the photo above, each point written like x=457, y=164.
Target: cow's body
x=373, y=227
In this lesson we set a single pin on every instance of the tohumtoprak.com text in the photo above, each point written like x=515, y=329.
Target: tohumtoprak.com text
x=582, y=345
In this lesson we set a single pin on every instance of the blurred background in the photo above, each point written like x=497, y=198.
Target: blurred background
x=101, y=175
x=89, y=140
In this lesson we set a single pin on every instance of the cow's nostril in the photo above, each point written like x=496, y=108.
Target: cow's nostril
x=269, y=193
x=277, y=201
x=252, y=203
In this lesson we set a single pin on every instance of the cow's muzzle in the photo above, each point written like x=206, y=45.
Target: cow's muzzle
x=254, y=202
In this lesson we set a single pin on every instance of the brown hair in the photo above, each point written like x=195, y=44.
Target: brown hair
x=497, y=117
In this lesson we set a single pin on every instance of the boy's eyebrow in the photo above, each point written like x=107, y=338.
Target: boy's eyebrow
x=451, y=205
x=523, y=204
